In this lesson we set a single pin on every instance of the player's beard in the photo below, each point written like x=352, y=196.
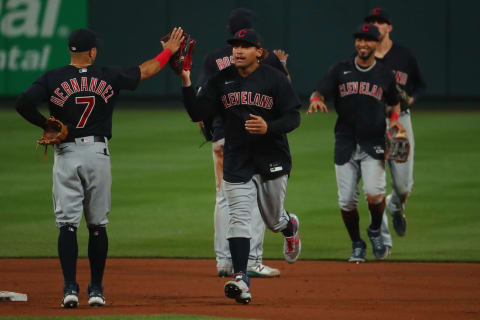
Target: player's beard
x=365, y=56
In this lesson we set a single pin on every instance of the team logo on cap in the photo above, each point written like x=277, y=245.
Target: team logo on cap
x=366, y=27
x=377, y=11
x=242, y=33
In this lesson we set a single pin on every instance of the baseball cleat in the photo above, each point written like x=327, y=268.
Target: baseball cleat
x=359, y=251
x=262, y=271
x=225, y=271
x=292, y=245
x=399, y=221
x=70, y=296
x=379, y=250
x=95, y=296
x=389, y=250
x=239, y=288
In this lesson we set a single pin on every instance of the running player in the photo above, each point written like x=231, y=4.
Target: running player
x=259, y=107
x=361, y=89
x=83, y=97
x=411, y=84
x=216, y=61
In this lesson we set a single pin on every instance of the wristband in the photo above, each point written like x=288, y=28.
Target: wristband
x=394, y=116
x=283, y=61
x=163, y=57
x=315, y=99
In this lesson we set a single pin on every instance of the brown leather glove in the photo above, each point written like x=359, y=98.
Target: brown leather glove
x=182, y=59
x=398, y=146
x=54, y=132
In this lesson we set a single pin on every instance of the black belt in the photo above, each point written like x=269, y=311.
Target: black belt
x=95, y=139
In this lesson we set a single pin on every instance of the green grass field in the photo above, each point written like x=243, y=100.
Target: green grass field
x=163, y=190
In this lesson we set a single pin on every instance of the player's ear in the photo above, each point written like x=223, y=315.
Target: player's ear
x=92, y=53
x=259, y=53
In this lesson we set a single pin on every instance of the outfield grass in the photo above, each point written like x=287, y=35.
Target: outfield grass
x=163, y=190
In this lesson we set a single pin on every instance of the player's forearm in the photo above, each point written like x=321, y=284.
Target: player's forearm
x=28, y=110
x=395, y=109
x=289, y=77
x=287, y=123
x=151, y=67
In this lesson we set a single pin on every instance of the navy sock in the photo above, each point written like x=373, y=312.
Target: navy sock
x=68, y=253
x=97, y=253
x=239, y=249
x=376, y=213
x=351, y=221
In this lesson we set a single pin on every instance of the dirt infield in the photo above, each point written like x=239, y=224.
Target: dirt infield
x=305, y=290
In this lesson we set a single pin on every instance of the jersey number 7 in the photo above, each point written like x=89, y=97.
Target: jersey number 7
x=90, y=102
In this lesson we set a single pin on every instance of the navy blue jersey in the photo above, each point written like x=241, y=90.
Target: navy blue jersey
x=360, y=97
x=406, y=70
x=83, y=98
x=266, y=92
x=218, y=60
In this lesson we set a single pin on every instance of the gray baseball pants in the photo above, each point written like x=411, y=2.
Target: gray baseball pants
x=82, y=182
x=242, y=199
x=361, y=166
x=402, y=179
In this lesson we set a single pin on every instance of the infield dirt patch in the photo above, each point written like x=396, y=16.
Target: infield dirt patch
x=305, y=290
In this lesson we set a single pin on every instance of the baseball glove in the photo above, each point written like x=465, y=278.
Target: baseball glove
x=182, y=59
x=398, y=146
x=54, y=132
x=403, y=97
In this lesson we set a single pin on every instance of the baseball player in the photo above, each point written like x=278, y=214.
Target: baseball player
x=411, y=85
x=258, y=107
x=83, y=97
x=361, y=89
x=216, y=61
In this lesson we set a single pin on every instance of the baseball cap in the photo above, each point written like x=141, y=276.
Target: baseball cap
x=249, y=36
x=82, y=40
x=379, y=14
x=240, y=18
x=367, y=30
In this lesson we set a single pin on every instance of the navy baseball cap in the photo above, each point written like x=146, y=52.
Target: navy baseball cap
x=249, y=36
x=240, y=18
x=82, y=40
x=367, y=30
x=378, y=14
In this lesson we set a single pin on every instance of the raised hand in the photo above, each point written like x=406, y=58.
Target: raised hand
x=176, y=38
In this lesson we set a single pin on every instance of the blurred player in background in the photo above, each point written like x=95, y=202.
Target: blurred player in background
x=411, y=86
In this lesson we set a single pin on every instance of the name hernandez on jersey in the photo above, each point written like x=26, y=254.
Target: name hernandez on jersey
x=82, y=98
x=87, y=84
